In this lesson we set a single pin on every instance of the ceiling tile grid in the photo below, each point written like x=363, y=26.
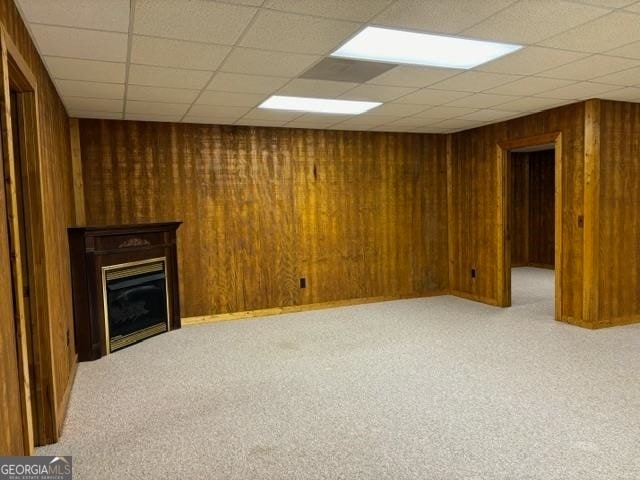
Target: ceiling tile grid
x=215, y=61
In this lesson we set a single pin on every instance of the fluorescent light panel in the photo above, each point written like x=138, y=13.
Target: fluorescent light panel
x=399, y=46
x=317, y=105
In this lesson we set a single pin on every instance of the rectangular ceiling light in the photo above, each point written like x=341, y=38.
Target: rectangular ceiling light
x=317, y=105
x=399, y=46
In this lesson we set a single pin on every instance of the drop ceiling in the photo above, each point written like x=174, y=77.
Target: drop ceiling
x=205, y=61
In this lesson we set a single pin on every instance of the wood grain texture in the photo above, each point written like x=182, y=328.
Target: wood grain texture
x=591, y=211
x=532, y=209
x=51, y=176
x=541, y=230
x=618, y=253
x=519, y=209
x=475, y=228
x=11, y=433
x=358, y=214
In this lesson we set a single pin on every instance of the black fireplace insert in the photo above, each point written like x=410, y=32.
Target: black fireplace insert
x=135, y=302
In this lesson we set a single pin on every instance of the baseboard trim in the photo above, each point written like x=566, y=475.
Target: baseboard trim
x=223, y=317
x=475, y=298
x=61, y=412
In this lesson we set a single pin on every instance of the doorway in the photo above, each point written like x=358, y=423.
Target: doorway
x=531, y=219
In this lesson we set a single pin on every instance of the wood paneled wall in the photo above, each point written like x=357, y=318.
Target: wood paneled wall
x=519, y=209
x=475, y=228
x=532, y=209
x=541, y=209
x=618, y=229
x=358, y=214
x=11, y=430
x=56, y=212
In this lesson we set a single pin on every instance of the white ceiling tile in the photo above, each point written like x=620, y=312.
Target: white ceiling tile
x=93, y=104
x=451, y=16
x=352, y=128
x=444, y=112
x=531, y=104
x=627, y=78
x=177, y=53
x=289, y=32
x=481, y=100
x=87, y=70
x=431, y=129
x=458, y=124
x=251, y=3
x=87, y=44
x=153, y=117
x=75, y=88
x=631, y=50
x=531, y=60
x=609, y=3
x=156, y=108
x=252, y=122
x=530, y=21
x=390, y=128
x=198, y=20
x=276, y=115
x=303, y=87
x=430, y=96
x=629, y=94
x=231, y=99
x=488, y=115
x=472, y=81
x=238, y=82
x=262, y=62
x=408, y=122
x=635, y=7
x=356, y=10
x=605, y=33
x=580, y=91
x=590, y=67
x=211, y=119
x=167, y=77
x=399, y=109
x=94, y=14
x=360, y=121
x=530, y=86
x=99, y=115
x=161, y=94
x=413, y=76
x=377, y=93
x=217, y=111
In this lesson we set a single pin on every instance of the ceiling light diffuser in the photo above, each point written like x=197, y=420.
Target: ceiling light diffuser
x=399, y=46
x=317, y=105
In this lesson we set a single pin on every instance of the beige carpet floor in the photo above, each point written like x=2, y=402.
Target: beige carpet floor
x=433, y=388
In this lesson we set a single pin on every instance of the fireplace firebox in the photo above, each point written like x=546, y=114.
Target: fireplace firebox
x=135, y=302
x=125, y=285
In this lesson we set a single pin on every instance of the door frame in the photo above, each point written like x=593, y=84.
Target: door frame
x=504, y=202
x=34, y=340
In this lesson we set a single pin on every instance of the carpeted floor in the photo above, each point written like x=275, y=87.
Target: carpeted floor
x=434, y=388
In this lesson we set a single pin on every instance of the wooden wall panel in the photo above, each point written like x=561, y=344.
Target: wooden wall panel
x=56, y=211
x=541, y=209
x=11, y=430
x=358, y=214
x=475, y=230
x=618, y=255
x=519, y=209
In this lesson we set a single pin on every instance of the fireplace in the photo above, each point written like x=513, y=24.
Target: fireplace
x=125, y=285
x=135, y=302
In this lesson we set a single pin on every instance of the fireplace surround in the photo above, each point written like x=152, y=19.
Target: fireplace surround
x=125, y=285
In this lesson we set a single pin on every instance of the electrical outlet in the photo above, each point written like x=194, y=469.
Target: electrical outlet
x=303, y=282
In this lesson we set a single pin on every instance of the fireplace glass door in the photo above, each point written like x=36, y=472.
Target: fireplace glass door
x=135, y=297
